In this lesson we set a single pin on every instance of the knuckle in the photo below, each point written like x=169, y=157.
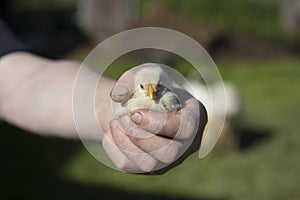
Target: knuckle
x=126, y=165
x=187, y=127
x=170, y=154
x=147, y=163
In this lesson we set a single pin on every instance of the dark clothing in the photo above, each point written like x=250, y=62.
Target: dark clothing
x=8, y=42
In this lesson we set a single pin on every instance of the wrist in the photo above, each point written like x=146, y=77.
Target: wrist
x=9, y=71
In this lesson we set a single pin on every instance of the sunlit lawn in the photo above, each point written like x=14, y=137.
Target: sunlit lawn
x=268, y=170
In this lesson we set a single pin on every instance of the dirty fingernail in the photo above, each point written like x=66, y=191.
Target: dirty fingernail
x=120, y=91
x=137, y=118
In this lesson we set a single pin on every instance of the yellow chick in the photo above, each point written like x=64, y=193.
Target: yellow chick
x=152, y=91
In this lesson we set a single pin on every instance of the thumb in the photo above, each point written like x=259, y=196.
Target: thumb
x=123, y=88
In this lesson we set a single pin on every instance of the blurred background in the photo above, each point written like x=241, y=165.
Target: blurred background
x=256, y=46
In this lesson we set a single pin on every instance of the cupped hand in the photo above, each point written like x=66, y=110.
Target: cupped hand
x=152, y=142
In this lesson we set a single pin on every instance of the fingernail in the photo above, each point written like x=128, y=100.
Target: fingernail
x=120, y=91
x=137, y=118
x=125, y=120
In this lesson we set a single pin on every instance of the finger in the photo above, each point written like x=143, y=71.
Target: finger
x=124, y=87
x=142, y=159
x=116, y=155
x=190, y=120
x=193, y=109
x=183, y=125
x=163, y=149
x=164, y=124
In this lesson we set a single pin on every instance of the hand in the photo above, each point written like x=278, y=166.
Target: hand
x=152, y=142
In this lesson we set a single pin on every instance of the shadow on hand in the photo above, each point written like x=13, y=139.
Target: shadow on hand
x=30, y=166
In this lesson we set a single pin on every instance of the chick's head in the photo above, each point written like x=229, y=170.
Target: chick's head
x=151, y=82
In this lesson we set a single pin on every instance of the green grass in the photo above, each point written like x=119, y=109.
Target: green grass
x=232, y=16
x=268, y=170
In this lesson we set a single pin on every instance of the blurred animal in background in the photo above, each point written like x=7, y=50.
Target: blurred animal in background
x=216, y=110
x=289, y=15
x=152, y=91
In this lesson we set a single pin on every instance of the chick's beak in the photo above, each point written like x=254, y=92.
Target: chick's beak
x=150, y=91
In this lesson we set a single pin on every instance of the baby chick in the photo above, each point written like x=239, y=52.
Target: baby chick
x=152, y=91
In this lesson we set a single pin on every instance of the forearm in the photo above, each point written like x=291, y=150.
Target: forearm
x=36, y=94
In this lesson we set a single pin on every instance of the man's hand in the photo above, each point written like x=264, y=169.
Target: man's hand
x=153, y=142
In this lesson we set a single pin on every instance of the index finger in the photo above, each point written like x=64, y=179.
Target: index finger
x=182, y=125
x=165, y=124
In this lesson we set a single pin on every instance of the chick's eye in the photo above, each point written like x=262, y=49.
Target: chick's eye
x=159, y=86
x=141, y=86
